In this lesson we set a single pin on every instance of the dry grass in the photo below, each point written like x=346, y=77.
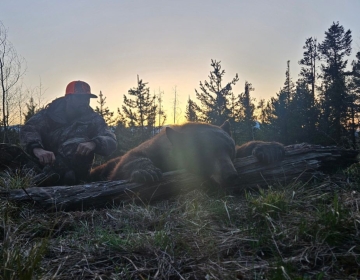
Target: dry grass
x=303, y=231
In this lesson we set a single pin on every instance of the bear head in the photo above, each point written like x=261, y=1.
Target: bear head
x=204, y=149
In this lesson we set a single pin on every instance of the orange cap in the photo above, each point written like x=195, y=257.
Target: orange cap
x=79, y=88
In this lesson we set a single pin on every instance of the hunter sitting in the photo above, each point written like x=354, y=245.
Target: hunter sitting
x=65, y=135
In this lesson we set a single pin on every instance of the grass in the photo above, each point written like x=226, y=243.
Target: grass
x=300, y=231
x=16, y=179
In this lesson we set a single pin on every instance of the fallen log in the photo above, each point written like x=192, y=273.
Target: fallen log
x=301, y=162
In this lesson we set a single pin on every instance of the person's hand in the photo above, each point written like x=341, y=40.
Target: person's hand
x=85, y=148
x=45, y=157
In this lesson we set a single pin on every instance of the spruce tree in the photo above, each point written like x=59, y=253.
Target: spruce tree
x=104, y=111
x=245, y=114
x=31, y=109
x=214, y=97
x=302, y=115
x=354, y=96
x=334, y=96
x=263, y=113
x=280, y=111
x=140, y=111
x=356, y=73
x=309, y=62
x=190, y=111
x=308, y=75
x=124, y=135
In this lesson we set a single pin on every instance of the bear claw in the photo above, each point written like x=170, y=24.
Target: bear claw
x=146, y=176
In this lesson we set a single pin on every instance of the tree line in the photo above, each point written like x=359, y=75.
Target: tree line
x=322, y=106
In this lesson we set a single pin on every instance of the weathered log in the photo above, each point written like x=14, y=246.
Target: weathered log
x=300, y=162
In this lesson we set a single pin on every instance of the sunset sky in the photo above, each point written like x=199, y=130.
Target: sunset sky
x=167, y=43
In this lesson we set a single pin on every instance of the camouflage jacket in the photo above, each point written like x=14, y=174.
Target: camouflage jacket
x=49, y=129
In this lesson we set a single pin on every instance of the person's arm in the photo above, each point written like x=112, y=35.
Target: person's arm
x=45, y=157
x=104, y=140
x=31, y=138
x=85, y=148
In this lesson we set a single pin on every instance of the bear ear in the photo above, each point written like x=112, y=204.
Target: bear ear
x=226, y=127
x=173, y=135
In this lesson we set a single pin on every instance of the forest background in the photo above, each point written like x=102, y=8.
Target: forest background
x=321, y=106
x=297, y=230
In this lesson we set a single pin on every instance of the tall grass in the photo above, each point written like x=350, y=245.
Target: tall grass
x=299, y=231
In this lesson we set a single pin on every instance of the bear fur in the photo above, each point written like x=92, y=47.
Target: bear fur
x=202, y=149
x=102, y=172
x=265, y=152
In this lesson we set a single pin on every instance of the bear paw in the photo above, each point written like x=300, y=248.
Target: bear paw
x=146, y=175
x=269, y=152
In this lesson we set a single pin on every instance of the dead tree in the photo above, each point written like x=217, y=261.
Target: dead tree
x=11, y=70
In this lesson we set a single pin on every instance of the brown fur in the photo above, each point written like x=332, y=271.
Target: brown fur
x=203, y=149
x=102, y=172
x=265, y=152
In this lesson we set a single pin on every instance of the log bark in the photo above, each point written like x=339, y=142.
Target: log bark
x=301, y=162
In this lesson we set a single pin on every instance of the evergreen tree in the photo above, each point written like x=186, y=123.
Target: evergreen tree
x=263, y=113
x=120, y=119
x=354, y=96
x=161, y=115
x=356, y=73
x=233, y=106
x=125, y=136
x=288, y=85
x=280, y=111
x=302, y=115
x=31, y=109
x=141, y=110
x=245, y=114
x=308, y=74
x=214, y=97
x=278, y=117
x=309, y=62
x=190, y=111
x=334, y=96
x=104, y=111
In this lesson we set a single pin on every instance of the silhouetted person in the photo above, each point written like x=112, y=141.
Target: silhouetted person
x=65, y=135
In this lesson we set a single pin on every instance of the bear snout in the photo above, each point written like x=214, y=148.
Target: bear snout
x=225, y=172
x=231, y=179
